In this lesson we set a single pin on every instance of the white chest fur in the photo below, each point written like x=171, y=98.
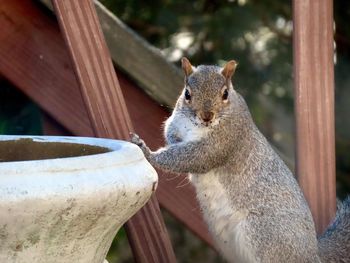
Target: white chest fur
x=185, y=128
x=226, y=224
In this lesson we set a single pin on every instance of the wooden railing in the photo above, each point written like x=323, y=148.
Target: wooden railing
x=108, y=115
x=35, y=58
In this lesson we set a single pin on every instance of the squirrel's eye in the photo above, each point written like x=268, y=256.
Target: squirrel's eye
x=225, y=95
x=187, y=95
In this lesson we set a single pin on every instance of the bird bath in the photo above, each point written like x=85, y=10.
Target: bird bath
x=63, y=199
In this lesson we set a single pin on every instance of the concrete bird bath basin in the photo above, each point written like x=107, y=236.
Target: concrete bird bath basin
x=63, y=199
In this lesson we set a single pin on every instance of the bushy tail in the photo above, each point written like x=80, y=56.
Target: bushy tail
x=334, y=244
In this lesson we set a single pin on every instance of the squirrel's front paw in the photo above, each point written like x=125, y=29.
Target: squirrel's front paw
x=136, y=139
x=139, y=142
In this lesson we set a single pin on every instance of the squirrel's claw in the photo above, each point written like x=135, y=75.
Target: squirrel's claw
x=141, y=143
x=136, y=139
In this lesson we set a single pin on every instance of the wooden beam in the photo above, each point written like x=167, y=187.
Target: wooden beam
x=314, y=106
x=34, y=58
x=51, y=127
x=109, y=116
x=130, y=52
x=24, y=31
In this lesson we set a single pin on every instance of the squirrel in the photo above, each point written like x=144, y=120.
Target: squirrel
x=251, y=202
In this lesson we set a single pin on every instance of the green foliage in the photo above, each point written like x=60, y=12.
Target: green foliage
x=255, y=33
x=121, y=246
x=18, y=115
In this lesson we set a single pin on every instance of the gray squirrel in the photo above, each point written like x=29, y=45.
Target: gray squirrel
x=250, y=200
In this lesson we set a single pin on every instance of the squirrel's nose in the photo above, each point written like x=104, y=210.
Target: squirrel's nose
x=207, y=116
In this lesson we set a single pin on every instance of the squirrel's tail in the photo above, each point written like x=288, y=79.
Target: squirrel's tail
x=334, y=244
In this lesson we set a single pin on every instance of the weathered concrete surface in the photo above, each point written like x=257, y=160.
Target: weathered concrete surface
x=69, y=209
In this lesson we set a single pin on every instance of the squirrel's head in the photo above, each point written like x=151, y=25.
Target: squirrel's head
x=208, y=92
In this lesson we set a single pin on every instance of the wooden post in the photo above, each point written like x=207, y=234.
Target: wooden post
x=314, y=106
x=108, y=114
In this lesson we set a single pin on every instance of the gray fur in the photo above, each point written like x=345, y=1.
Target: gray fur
x=334, y=244
x=269, y=206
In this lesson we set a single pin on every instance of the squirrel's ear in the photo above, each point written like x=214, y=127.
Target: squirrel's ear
x=186, y=66
x=229, y=69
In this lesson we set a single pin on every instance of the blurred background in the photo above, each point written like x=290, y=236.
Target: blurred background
x=257, y=34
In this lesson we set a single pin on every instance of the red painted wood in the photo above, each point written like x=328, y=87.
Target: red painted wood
x=108, y=114
x=314, y=106
x=30, y=44
x=51, y=127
